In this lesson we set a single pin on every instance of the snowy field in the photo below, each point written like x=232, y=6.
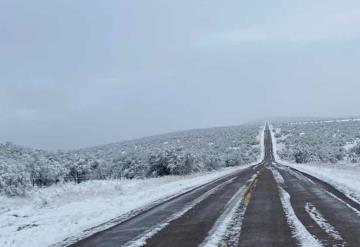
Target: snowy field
x=178, y=153
x=46, y=217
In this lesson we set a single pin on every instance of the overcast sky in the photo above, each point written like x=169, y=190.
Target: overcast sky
x=77, y=73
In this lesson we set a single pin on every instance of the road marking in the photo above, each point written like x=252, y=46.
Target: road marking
x=249, y=188
x=347, y=204
x=301, y=176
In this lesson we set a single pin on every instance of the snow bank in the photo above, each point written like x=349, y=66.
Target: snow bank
x=49, y=216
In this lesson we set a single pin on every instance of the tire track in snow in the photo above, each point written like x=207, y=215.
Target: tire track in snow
x=320, y=220
x=226, y=230
x=141, y=241
x=306, y=177
x=302, y=235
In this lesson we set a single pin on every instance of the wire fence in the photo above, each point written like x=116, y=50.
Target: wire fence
x=43, y=181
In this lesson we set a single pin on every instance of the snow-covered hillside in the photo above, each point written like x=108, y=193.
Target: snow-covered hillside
x=177, y=153
x=333, y=141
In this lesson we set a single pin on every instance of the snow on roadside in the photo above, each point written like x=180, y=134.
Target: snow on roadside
x=274, y=143
x=49, y=216
x=261, y=139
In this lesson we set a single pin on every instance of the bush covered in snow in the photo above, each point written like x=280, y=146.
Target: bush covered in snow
x=177, y=153
x=323, y=141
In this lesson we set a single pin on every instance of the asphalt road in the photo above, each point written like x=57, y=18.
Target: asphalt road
x=264, y=205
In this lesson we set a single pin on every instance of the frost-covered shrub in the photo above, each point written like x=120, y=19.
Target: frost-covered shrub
x=324, y=141
x=301, y=156
x=170, y=163
x=181, y=165
x=13, y=181
x=355, y=150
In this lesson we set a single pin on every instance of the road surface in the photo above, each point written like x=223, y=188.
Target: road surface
x=264, y=205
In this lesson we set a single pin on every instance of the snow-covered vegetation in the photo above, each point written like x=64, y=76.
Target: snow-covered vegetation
x=177, y=153
x=319, y=141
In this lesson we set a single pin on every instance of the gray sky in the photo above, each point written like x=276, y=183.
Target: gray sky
x=81, y=73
